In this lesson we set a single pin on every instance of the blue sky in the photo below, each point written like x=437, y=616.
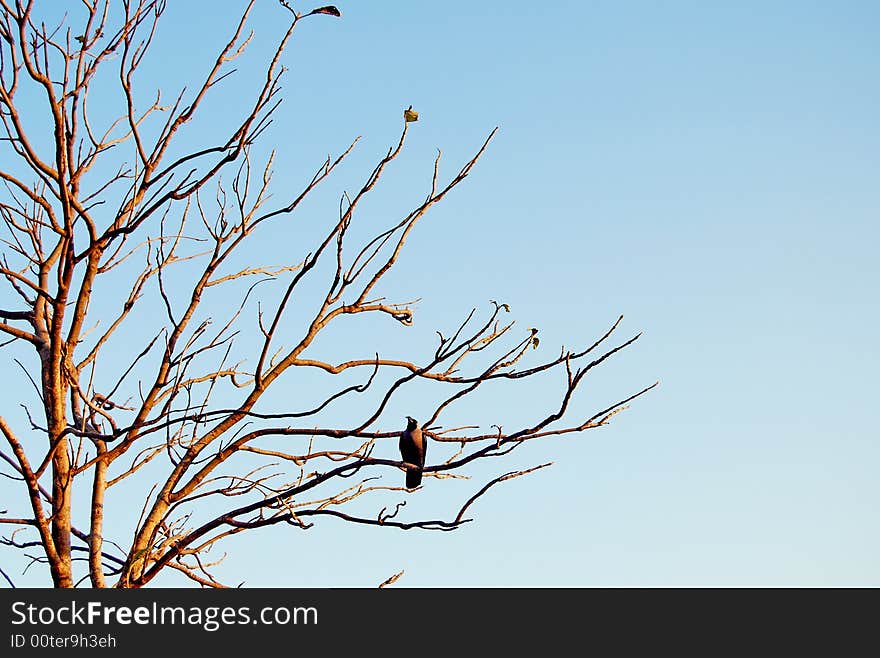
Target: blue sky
x=710, y=172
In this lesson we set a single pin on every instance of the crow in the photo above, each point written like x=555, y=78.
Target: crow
x=412, y=451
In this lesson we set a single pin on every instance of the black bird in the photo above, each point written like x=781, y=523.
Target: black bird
x=412, y=451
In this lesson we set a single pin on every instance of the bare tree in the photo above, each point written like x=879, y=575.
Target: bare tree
x=89, y=200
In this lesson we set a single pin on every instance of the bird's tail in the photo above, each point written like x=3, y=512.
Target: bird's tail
x=413, y=477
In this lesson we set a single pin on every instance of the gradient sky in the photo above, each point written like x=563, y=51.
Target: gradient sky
x=709, y=170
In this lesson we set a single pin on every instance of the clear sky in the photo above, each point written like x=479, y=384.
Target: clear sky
x=709, y=170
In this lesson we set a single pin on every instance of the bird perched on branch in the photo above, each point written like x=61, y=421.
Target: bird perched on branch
x=412, y=451
x=329, y=10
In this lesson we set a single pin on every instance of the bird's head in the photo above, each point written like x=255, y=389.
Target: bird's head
x=411, y=423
